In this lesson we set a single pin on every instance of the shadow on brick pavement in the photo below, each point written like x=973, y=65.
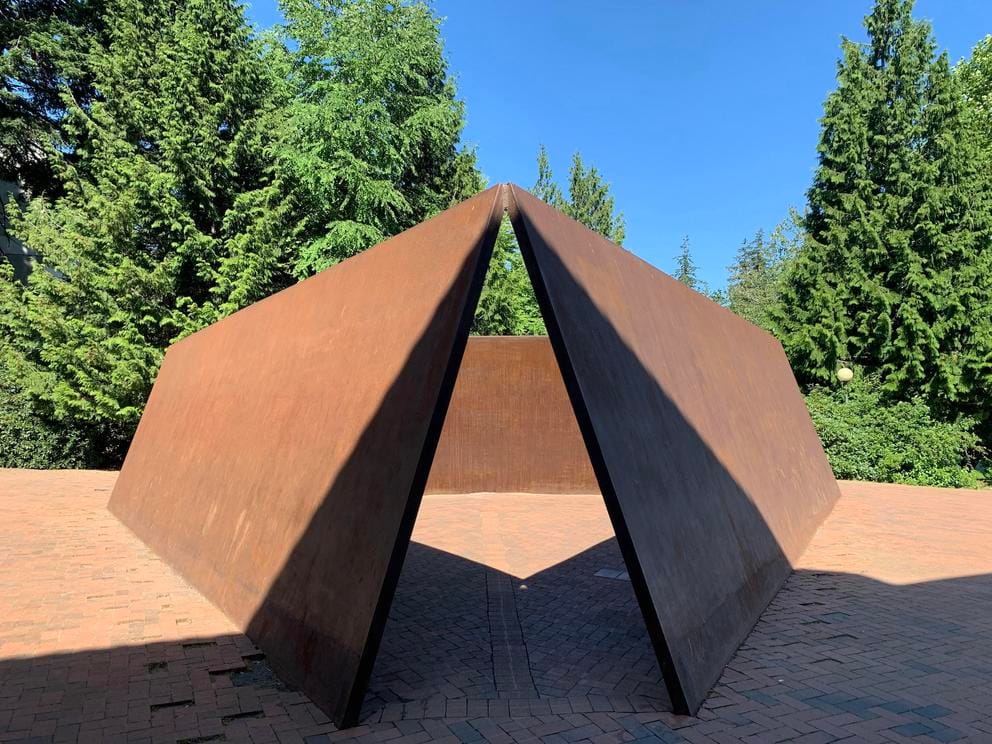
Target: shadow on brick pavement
x=835, y=657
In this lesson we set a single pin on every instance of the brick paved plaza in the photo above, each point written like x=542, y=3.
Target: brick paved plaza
x=513, y=622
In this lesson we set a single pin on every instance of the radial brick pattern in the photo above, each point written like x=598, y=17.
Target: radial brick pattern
x=884, y=633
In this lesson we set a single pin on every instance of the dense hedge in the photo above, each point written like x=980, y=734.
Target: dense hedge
x=29, y=440
x=868, y=437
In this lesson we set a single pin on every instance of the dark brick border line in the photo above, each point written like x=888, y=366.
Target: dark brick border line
x=440, y=707
x=511, y=662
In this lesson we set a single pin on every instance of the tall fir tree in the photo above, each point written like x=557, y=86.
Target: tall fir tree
x=545, y=187
x=975, y=76
x=159, y=161
x=588, y=201
x=895, y=272
x=44, y=50
x=207, y=171
x=369, y=125
x=686, y=270
x=755, y=277
x=508, y=305
x=749, y=285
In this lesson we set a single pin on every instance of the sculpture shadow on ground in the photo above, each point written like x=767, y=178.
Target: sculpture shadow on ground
x=912, y=658
x=463, y=630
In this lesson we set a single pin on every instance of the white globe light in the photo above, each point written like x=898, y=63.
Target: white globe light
x=845, y=374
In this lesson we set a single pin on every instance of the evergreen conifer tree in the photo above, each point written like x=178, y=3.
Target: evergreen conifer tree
x=895, y=273
x=748, y=284
x=589, y=200
x=44, y=46
x=508, y=305
x=975, y=76
x=205, y=172
x=686, y=270
x=369, y=125
x=160, y=158
x=755, y=277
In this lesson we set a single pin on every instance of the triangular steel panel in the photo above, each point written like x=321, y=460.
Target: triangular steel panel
x=711, y=470
x=283, y=453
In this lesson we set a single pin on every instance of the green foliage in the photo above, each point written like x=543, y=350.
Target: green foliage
x=589, y=200
x=181, y=168
x=30, y=437
x=686, y=270
x=975, y=77
x=754, y=284
x=508, y=305
x=30, y=440
x=202, y=170
x=135, y=248
x=869, y=437
x=895, y=274
x=43, y=57
x=367, y=126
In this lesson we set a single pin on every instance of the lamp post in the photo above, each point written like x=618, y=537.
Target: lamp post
x=845, y=374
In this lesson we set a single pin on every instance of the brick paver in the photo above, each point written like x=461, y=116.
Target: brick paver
x=502, y=631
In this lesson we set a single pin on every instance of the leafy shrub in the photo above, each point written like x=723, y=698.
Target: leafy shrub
x=28, y=439
x=868, y=437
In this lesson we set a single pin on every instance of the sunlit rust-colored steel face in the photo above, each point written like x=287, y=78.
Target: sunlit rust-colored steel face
x=510, y=426
x=711, y=470
x=283, y=453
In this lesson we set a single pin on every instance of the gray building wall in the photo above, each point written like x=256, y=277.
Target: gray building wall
x=13, y=250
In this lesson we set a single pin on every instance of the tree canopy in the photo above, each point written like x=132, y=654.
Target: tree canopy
x=894, y=275
x=368, y=125
x=176, y=166
x=588, y=200
x=44, y=54
x=195, y=169
x=754, y=281
x=508, y=305
x=686, y=270
x=975, y=76
x=180, y=167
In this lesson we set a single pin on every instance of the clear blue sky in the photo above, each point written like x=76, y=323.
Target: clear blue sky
x=703, y=115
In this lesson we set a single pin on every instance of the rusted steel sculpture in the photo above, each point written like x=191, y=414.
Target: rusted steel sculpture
x=510, y=426
x=281, y=458
x=712, y=473
x=284, y=451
